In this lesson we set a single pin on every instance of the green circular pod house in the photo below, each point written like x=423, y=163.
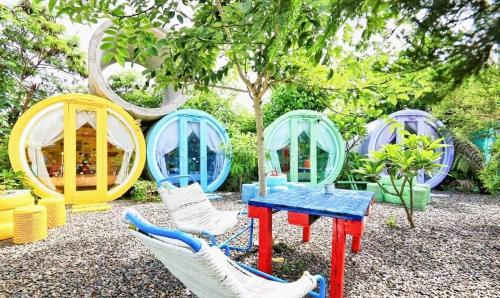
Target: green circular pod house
x=306, y=146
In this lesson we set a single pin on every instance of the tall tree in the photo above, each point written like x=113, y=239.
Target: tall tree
x=36, y=58
x=260, y=39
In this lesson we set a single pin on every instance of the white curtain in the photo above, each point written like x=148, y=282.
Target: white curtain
x=119, y=136
x=193, y=127
x=50, y=129
x=44, y=133
x=168, y=141
x=214, y=142
x=325, y=142
x=281, y=138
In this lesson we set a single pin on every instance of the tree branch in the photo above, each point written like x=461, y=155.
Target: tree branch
x=218, y=86
x=236, y=60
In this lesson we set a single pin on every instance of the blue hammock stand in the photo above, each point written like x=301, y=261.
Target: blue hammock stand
x=143, y=226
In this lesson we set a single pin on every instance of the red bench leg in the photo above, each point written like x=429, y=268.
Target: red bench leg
x=338, y=259
x=264, y=215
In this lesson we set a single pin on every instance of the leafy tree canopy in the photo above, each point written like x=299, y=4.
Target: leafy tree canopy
x=36, y=59
x=286, y=98
x=474, y=106
x=267, y=41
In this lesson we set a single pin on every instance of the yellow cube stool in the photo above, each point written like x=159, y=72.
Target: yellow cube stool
x=30, y=224
x=56, y=211
x=9, y=200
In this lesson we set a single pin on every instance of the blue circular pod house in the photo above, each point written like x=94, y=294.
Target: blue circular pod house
x=189, y=142
x=416, y=122
x=306, y=146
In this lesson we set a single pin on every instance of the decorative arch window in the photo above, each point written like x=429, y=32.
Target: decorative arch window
x=189, y=142
x=306, y=146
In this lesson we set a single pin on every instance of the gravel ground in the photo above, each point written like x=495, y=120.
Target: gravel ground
x=454, y=251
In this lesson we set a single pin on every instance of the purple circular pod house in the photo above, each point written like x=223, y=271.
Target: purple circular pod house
x=417, y=122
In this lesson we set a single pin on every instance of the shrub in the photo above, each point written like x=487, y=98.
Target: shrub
x=391, y=221
x=12, y=180
x=403, y=162
x=145, y=191
x=134, y=89
x=4, y=154
x=467, y=165
x=214, y=104
x=490, y=175
x=244, y=160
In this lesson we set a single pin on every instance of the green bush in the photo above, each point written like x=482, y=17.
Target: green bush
x=4, y=153
x=145, y=191
x=490, y=175
x=12, y=180
x=474, y=106
x=391, y=221
x=131, y=87
x=214, y=104
x=244, y=161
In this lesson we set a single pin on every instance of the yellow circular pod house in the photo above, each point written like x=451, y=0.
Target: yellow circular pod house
x=80, y=147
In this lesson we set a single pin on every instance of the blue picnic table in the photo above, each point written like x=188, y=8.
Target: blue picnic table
x=347, y=208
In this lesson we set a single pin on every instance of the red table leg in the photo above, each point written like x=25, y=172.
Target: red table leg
x=356, y=229
x=306, y=233
x=356, y=244
x=338, y=259
x=303, y=220
x=264, y=215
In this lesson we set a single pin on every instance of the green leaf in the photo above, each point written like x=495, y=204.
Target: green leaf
x=107, y=57
x=107, y=46
x=330, y=74
x=392, y=99
x=120, y=60
x=122, y=51
x=51, y=5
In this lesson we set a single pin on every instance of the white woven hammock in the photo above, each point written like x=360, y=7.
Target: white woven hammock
x=192, y=212
x=210, y=273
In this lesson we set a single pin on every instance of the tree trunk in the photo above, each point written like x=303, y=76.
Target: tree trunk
x=261, y=159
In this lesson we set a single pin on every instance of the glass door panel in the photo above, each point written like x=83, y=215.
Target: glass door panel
x=322, y=163
x=214, y=165
x=304, y=153
x=172, y=162
x=193, y=150
x=284, y=159
x=86, y=162
x=85, y=147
